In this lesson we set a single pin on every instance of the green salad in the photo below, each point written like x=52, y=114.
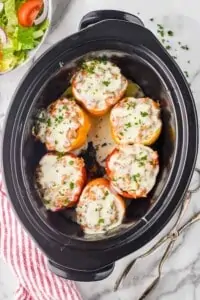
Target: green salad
x=22, y=26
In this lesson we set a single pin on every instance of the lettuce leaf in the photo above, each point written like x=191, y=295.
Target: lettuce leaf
x=43, y=26
x=29, y=37
x=3, y=20
x=25, y=37
x=40, y=29
x=10, y=13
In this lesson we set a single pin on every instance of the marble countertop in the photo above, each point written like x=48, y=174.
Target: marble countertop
x=181, y=272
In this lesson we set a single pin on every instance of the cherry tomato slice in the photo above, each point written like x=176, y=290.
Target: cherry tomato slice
x=28, y=12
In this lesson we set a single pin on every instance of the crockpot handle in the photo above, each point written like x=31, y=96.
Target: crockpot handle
x=99, y=15
x=79, y=275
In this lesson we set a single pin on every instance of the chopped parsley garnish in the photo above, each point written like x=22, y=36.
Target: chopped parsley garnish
x=160, y=30
x=60, y=155
x=144, y=113
x=170, y=32
x=59, y=119
x=141, y=160
x=136, y=177
x=49, y=122
x=121, y=133
x=152, y=19
x=46, y=202
x=143, y=157
x=65, y=107
x=62, y=194
x=160, y=26
x=105, y=195
x=106, y=82
x=131, y=105
x=128, y=125
x=71, y=162
x=104, y=145
x=89, y=67
x=71, y=185
x=168, y=47
x=185, y=47
x=56, y=142
x=112, y=206
x=103, y=59
x=186, y=74
x=101, y=221
x=66, y=201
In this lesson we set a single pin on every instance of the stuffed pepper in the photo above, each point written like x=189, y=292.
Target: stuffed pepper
x=63, y=127
x=98, y=85
x=99, y=209
x=60, y=180
x=136, y=121
x=132, y=170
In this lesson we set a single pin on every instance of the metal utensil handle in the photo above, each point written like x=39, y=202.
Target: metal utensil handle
x=171, y=237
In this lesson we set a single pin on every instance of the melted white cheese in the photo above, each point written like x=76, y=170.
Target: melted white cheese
x=60, y=127
x=58, y=179
x=100, y=132
x=135, y=120
x=99, y=84
x=134, y=169
x=99, y=210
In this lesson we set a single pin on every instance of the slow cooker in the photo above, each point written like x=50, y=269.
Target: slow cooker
x=142, y=59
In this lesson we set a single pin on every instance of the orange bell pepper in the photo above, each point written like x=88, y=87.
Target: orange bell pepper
x=82, y=132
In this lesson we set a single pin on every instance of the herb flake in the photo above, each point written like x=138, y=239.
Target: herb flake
x=144, y=113
x=49, y=122
x=170, y=33
x=168, y=47
x=106, y=82
x=185, y=47
x=71, y=185
x=136, y=177
x=128, y=125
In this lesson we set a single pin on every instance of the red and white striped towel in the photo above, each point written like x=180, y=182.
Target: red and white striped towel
x=36, y=282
